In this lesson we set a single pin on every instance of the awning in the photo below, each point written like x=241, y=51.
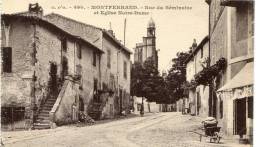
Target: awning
x=244, y=78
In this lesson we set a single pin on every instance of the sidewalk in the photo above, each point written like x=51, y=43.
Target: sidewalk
x=226, y=141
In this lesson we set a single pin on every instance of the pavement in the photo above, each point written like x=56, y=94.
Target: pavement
x=170, y=129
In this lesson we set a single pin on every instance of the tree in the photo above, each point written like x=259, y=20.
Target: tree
x=177, y=76
x=147, y=82
x=137, y=80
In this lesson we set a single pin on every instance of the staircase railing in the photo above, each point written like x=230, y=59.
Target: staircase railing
x=58, y=101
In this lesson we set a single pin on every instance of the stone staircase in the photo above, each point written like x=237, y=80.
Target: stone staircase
x=95, y=110
x=43, y=118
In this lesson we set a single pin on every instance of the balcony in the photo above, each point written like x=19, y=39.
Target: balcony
x=234, y=3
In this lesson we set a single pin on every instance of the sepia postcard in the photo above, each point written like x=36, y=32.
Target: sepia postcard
x=127, y=73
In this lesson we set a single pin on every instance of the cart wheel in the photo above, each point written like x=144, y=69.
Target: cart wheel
x=217, y=139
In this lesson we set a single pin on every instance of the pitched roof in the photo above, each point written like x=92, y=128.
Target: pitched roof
x=82, y=29
x=44, y=22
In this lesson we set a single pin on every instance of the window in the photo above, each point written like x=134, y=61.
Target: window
x=64, y=44
x=125, y=69
x=108, y=58
x=94, y=58
x=201, y=53
x=242, y=22
x=78, y=47
x=95, y=85
x=221, y=109
x=95, y=90
x=7, y=59
x=65, y=67
x=10, y=115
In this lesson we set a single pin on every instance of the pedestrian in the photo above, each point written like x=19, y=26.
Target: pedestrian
x=142, y=110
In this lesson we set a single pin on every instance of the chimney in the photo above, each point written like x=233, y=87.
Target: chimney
x=111, y=32
x=194, y=44
x=35, y=10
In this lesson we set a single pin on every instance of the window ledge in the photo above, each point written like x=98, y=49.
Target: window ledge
x=241, y=58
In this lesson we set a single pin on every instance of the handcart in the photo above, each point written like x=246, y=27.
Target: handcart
x=211, y=130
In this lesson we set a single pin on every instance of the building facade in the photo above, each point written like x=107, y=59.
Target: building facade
x=197, y=96
x=231, y=36
x=147, y=48
x=50, y=73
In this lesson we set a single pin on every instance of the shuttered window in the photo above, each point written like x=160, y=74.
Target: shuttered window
x=7, y=59
x=78, y=47
x=108, y=58
x=125, y=70
x=94, y=58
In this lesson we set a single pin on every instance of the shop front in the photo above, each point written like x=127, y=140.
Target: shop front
x=238, y=95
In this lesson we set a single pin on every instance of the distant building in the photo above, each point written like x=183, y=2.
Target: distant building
x=197, y=101
x=147, y=48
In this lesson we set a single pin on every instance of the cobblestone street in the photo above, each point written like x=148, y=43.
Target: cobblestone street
x=152, y=130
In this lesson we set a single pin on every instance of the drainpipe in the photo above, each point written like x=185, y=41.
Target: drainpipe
x=33, y=98
x=210, y=113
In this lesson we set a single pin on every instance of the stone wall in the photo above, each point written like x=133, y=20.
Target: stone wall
x=48, y=50
x=118, y=57
x=89, y=73
x=215, y=13
x=17, y=84
x=203, y=92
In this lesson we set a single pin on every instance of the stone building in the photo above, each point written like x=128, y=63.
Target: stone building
x=231, y=35
x=147, y=48
x=198, y=96
x=51, y=73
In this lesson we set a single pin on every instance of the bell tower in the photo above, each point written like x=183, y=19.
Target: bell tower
x=151, y=41
x=147, y=49
x=151, y=28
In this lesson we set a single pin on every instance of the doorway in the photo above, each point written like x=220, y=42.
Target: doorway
x=240, y=116
x=120, y=100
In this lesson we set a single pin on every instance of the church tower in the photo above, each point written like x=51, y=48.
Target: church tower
x=151, y=41
x=147, y=48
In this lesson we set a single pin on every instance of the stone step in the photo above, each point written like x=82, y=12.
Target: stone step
x=43, y=118
x=53, y=100
x=44, y=114
x=44, y=111
x=49, y=103
x=41, y=126
x=47, y=107
x=38, y=120
x=44, y=121
x=95, y=115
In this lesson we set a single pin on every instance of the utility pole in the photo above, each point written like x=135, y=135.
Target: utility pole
x=124, y=30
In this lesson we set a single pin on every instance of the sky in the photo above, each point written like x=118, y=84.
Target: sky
x=175, y=29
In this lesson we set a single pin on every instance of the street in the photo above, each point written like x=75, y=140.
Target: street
x=169, y=129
